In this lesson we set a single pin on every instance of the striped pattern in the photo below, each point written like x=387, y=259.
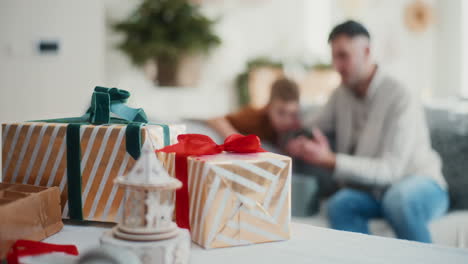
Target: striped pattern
x=239, y=200
x=35, y=153
x=168, y=161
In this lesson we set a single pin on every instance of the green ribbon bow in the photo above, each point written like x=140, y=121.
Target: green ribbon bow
x=112, y=100
x=105, y=101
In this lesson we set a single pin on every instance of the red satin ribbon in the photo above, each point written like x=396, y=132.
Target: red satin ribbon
x=23, y=248
x=197, y=144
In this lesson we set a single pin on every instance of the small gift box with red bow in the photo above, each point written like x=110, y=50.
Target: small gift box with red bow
x=233, y=194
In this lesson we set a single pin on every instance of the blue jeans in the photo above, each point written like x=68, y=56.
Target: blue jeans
x=408, y=206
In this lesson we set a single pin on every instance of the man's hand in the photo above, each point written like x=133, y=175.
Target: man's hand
x=317, y=151
x=295, y=147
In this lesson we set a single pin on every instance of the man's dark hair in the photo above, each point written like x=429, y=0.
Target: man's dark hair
x=349, y=28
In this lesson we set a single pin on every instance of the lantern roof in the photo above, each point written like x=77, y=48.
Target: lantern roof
x=148, y=172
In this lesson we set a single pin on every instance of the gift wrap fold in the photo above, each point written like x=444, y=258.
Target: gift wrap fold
x=233, y=198
x=83, y=156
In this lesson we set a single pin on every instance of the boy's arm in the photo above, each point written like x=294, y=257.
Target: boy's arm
x=222, y=126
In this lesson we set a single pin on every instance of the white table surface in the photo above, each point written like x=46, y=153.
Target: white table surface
x=309, y=244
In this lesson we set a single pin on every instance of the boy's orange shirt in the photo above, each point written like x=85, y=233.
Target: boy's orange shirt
x=250, y=120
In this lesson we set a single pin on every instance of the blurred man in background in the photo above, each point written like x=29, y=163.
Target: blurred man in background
x=270, y=123
x=383, y=159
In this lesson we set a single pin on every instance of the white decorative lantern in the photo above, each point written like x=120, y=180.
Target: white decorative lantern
x=147, y=227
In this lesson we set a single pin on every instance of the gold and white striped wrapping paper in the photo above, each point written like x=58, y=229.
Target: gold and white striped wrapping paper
x=35, y=153
x=238, y=199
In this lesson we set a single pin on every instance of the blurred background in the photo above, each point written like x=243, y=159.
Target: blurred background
x=53, y=52
x=188, y=60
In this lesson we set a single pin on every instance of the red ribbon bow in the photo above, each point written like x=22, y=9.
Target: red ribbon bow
x=197, y=144
x=23, y=248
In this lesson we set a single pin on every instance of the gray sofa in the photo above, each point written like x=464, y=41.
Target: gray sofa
x=311, y=186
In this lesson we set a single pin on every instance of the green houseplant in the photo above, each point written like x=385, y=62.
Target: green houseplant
x=165, y=31
x=242, y=79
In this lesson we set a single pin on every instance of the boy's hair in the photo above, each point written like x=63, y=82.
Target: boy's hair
x=284, y=90
x=349, y=28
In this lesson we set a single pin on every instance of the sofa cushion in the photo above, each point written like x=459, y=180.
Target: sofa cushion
x=304, y=191
x=452, y=145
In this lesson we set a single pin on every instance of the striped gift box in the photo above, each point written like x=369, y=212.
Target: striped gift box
x=35, y=153
x=237, y=199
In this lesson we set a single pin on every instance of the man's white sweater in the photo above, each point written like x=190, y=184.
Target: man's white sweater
x=380, y=138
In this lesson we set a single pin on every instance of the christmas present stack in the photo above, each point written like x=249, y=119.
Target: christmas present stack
x=232, y=194
x=82, y=156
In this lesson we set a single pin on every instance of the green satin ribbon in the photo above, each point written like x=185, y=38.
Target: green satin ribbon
x=112, y=100
x=104, y=101
x=74, y=172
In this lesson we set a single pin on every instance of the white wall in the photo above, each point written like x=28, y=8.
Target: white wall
x=318, y=24
x=275, y=28
x=410, y=57
x=429, y=62
x=34, y=86
x=449, y=49
x=464, y=45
